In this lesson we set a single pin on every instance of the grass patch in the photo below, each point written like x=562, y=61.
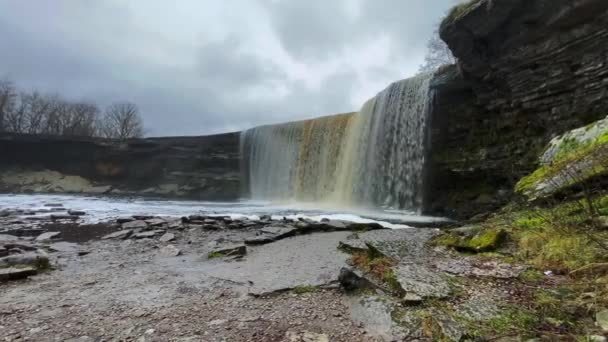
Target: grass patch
x=213, y=255
x=305, y=289
x=379, y=266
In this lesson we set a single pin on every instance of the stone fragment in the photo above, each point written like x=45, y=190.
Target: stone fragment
x=63, y=217
x=155, y=222
x=352, y=279
x=231, y=250
x=121, y=234
x=170, y=251
x=279, y=232
x=601, y=320
x=13, y=273
x=167, y=237
x=148, y=234
x=47, y=236
x=412, y=299
x=260, y=240
x=138, y=224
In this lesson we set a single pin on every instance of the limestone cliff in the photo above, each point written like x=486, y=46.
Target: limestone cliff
x=528, y=71
x=187, y=167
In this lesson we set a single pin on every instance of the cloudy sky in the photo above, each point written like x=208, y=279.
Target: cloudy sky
x=208, y=66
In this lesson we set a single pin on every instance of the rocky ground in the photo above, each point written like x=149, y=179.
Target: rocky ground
x=202, y=278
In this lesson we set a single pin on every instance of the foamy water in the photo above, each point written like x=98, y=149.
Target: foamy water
x=106, y=208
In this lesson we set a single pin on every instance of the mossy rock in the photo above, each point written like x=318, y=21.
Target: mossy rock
x=485, y=240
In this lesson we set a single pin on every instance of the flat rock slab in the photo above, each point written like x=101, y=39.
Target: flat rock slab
x=311, y=260
x=138, y=224
x=422, y=281
x=121, y=235
x=48, y=236
x=13, y=273
x=399, y=244
x=76, y=213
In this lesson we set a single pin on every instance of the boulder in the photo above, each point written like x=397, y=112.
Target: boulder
x=121, y=234
x=38, y=260
x=47, y=236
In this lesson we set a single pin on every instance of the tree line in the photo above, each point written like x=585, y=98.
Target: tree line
x=32, y=112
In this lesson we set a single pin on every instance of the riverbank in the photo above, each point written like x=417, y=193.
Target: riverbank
x=210, y=278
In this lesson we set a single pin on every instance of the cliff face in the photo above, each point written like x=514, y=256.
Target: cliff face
x=188, y=167
x=528, y=70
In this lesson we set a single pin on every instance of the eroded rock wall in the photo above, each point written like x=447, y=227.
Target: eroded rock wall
x=528, y=71
x=187, y=167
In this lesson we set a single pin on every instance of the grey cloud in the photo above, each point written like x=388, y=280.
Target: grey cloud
x=98, y=51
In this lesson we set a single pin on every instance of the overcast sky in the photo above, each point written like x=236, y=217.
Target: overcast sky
x=208, y=66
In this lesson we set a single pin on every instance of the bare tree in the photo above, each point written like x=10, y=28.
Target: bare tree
x=7, y=101
x=121, y=121
x=438, y=54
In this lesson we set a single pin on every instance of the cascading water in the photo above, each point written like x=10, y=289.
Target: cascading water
x=374, y=157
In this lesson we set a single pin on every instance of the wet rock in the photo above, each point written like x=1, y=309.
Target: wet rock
x=48, y=236
x=13, y=273
x=422, y=281
x=170, y=251
x=279, y=232
x=601, y=320
x=208, y=226
x=53, y=205
x=142, y=217
x=209, y=221
x=231, y=250
x=124, y=220
x=121, y=235
x=265, y=218
x=138, y=224
x=167, y=237
x=305, y=336
x=335, y=225
x=76, y=213
x=352, y=279
x=260, y=240
x=63, y=217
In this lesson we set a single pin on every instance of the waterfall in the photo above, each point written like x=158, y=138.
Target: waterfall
x=374, y=157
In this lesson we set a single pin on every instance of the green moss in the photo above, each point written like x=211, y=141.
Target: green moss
x=571, y=152
x=212, y=255
x=531, y=276
x=390, y=279
x=486, y=240
x=305, y=289
x=514, y=319
x=529, y=222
